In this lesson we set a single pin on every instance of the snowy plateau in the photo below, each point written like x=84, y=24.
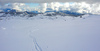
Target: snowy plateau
x=45, y=33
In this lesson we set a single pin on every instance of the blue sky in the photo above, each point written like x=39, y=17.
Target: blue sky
x=37, y=4
x=32, y=4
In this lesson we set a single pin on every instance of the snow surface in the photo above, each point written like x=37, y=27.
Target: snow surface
x=61, y=34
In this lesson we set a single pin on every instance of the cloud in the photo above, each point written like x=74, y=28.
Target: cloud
x=81, y=7
x=16, y=6
x=45, y=1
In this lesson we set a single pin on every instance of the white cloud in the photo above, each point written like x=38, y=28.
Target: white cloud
x=81, y=7
x=16, y=6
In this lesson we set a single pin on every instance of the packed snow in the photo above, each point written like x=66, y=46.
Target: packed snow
x=44, y=33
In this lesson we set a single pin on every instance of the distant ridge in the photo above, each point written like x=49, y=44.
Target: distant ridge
x=13, y=12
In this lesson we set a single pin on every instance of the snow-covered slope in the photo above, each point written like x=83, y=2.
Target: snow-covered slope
x=61, y=34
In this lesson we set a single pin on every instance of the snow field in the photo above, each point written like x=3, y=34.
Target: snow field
x=74, y=34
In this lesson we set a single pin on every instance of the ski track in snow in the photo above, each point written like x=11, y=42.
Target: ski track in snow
x=37, y=47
